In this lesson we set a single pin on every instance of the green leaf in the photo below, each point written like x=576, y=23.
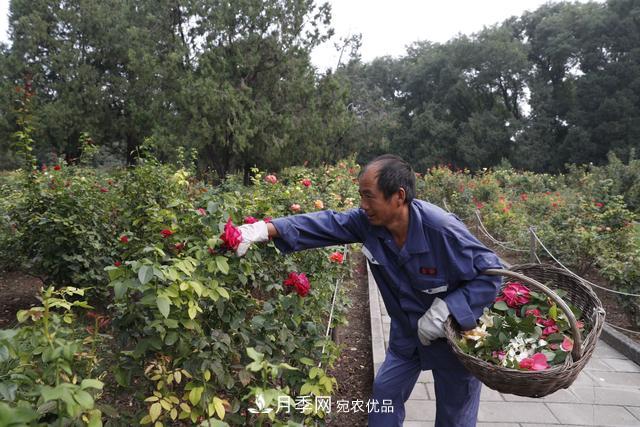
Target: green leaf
x=258, y=357
x=119, y=288
x=196, y=286
x=553, y=312
x=51, y=393
x=314, y=372
x=8, y=391
x=171, y=338
x=84, y=399
x=91, y=383
x=193, y=312
x=217, y=404
x=195, y=395
x=222, y=264
x=223, y=292
x=145, y=274
x=163, y=305
x=213, y=422
x=95, y=418
x=155, y=411
x=501, y=305
x=307, y=361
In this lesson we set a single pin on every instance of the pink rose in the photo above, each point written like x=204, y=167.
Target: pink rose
x=550, y=327
x=295, y=208
x=201, y=211
x=231, y=237
x=271, y=179
x=567, y=344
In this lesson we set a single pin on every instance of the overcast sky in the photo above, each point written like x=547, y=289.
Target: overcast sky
x=388, y=26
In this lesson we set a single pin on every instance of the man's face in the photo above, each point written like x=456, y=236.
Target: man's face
x=380, y=211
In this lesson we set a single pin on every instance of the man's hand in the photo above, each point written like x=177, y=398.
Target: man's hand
x=252, y=233
x=431, y=324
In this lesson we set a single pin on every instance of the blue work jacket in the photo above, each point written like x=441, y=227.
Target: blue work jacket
x=440, y=258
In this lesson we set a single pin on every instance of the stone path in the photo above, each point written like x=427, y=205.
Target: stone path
x=606, y=393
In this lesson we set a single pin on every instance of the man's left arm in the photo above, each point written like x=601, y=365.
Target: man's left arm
x=467, y=258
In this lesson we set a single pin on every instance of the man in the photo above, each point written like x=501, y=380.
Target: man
x=427, y=266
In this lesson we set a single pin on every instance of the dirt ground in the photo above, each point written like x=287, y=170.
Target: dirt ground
x=17, y=291
x=354, y=369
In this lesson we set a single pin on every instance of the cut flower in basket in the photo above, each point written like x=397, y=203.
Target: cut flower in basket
x=523, y=329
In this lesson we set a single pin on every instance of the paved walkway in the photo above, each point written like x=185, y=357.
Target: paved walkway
x=606, y=393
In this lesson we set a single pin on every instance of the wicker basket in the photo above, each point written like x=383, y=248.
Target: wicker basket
x=540, y=383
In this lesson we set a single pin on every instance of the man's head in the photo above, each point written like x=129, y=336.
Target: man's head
x=387, y=184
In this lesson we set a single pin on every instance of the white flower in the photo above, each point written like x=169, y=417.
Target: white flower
x=485, y=319
x=477, y=334
x=520, y=348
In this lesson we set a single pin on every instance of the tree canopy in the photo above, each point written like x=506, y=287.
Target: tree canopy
x=233, y=82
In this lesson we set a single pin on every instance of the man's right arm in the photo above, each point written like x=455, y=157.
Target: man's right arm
x=272, y=231
x=305, y=231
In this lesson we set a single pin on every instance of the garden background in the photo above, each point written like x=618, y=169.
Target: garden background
x=131, y=133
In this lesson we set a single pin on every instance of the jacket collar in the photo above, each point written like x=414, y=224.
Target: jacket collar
x=417, y=241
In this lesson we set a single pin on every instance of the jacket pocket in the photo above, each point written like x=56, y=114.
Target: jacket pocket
x=430, y=285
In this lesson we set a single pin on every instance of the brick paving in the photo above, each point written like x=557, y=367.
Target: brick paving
x=606, y=393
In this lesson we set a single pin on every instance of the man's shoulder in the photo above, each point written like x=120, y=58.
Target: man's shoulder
x=435, y=218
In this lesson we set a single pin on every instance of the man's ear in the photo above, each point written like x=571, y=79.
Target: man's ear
x=402, y=196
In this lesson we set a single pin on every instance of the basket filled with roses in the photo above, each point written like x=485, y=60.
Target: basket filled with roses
x=537, y=335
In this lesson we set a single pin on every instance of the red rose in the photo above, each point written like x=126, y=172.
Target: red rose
x=514, y=294
x=166, y=233
x=179, y=246
x=117, y=263
x=124, y=239
x=537, y=362
x=306, y=182
x=267, y=219
x=299, y=281
x=337, y=257
x=550, y=327
x=250, y=220
x=57, y=168
x=524, y=197
x=599, y=204
x=231, y=237
x=103, y=190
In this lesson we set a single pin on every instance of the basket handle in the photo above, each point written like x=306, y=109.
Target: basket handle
x=576, y=353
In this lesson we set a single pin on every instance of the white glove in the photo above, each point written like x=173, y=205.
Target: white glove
x=431, y=324
x=252, y=233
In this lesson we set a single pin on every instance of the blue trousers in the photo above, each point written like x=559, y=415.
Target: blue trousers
x=457, y=393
